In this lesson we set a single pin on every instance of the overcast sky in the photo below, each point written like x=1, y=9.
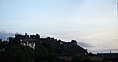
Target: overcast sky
x=93, y=23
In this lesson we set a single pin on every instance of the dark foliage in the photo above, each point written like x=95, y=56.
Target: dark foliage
x=45, y=51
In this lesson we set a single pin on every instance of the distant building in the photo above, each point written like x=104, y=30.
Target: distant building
x=66, y=50
x=67, y=57
x=95, y=58
x=24, y=40
x=109, y=56
x=103, y=57
x=70, y=43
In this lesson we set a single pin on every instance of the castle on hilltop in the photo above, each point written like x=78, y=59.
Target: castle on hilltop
x=61, y=50
x=28, y=40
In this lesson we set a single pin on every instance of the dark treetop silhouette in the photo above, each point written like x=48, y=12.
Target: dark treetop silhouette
x=32, y=48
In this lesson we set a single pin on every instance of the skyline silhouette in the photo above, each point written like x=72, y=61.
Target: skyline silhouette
x=93, y=23
x=33, y=48
x=82, y=44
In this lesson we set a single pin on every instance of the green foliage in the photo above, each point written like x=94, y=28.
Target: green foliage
x=45, y=51
x=18, y=54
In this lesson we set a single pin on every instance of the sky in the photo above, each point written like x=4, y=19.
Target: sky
x=92, y=23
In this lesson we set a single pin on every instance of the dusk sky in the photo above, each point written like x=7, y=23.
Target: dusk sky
x=92, y=23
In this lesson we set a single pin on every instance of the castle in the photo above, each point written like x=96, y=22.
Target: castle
x=63, y=50
x=28, y=40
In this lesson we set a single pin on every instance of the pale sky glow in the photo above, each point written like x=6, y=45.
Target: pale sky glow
x=93, y=22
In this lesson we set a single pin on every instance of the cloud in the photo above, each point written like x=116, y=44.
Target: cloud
x=83, y=44
x=103, y=50
x=112, y=50
x=96, y=41
x=4, y=35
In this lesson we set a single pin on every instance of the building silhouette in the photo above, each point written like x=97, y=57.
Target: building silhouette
x=66, y=51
